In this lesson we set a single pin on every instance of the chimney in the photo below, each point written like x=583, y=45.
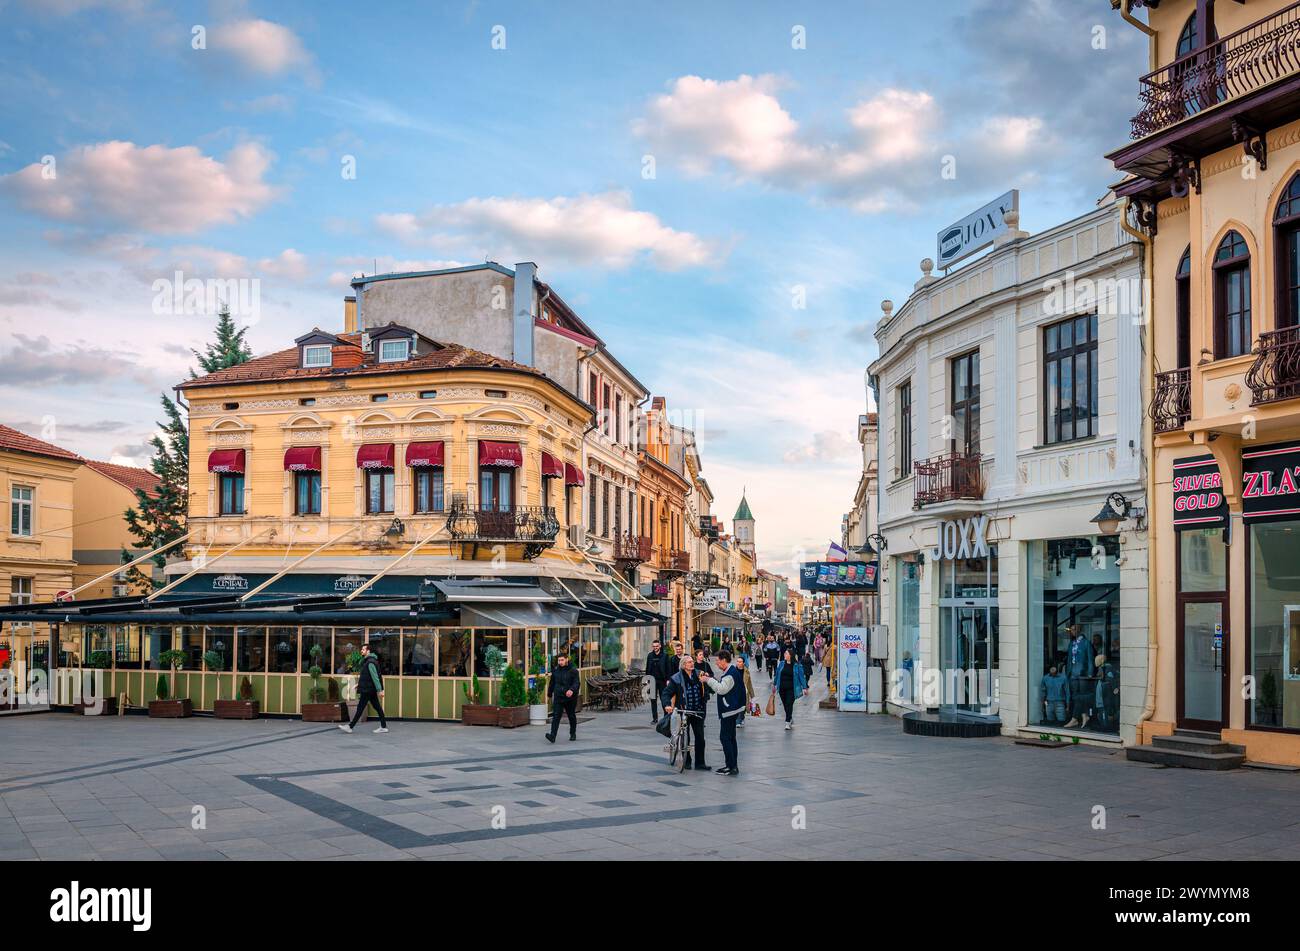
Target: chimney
x=525, y=274
x=349, y=315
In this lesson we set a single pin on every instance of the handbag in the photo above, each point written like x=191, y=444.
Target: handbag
x=754, y=709
x=771, y=704
x=665, y=726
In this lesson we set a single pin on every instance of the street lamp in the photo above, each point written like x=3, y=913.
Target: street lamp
x=1114, y=510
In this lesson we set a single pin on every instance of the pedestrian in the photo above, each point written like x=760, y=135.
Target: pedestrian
x=800, y=645
x=828, y=661
x=749, y=688
x=703, y=669
x=658, y=669
x=370, y=691
x=686, y=691
x=730, y=689
x=771, y=654
x=563, y=689
x=789, y=684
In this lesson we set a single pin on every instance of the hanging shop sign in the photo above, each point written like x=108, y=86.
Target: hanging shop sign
x=962, y=538
x=1198, y=494
x=976, y=231
x=1270, y=483
x=846, y=577
x=710, y=599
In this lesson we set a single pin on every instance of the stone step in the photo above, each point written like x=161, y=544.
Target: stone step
x=1165, y=756
x=1188, y=743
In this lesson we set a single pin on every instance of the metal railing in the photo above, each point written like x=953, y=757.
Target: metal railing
x=1275, y=374
x=1239, y=63
x=530, y=524
x=1171, y=406
x=948, y=477
x=632, y=549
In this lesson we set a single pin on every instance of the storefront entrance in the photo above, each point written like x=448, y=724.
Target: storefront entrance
x=968, y=634
x=1203, y=636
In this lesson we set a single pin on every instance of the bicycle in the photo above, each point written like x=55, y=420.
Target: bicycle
x=679, y=744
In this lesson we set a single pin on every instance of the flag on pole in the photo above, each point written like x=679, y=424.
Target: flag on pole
x=836, y=553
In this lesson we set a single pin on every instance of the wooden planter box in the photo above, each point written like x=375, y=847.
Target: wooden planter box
x=236, y=709
x=510, y=717
x=829, y=704
x=335, y=712
x=479, y=714
x=171, y=709
x=106, y=708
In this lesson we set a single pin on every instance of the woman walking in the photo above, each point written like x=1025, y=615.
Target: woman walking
x=790, y=684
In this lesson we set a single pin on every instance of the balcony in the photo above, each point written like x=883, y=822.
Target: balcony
x=1171, y=406
x=1275, y=374
x=533, y=526
x=674, y=562
x=631, y=549
x=947, y=478
x=1234, y=66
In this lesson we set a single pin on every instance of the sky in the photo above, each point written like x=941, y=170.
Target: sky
x=724, y=191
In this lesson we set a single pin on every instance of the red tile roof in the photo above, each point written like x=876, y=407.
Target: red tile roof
x=11, y=440
x=128, y=476
x=284, y=365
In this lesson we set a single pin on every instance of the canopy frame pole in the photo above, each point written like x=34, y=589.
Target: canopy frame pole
x=209, y=561
x=617, y=580
x=129, y=564
x=396, y=561
x=288, y=568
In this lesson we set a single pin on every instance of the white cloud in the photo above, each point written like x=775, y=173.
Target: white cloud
x=263, y=47
x=152, y=188
x=289, y=264
x=887, y=156
x=602, y=229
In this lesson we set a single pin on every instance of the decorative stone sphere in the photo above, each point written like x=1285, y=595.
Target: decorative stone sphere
x=886, y=308
x=927, y=266
x=1012, y=218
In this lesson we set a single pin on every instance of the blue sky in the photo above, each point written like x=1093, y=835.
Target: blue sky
x=780, y=173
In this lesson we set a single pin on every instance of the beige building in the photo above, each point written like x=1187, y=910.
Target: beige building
x=102, y=493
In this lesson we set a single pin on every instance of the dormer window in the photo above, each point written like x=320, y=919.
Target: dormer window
x=393, y=351
x=317, y=355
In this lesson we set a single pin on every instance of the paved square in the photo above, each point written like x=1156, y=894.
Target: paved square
x=128, y=788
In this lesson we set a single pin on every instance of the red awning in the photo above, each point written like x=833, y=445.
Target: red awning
x=226, y=460
x=378, y=455
x=302, y=459
x=552, y=468
x=500, y=454
x=572, y=474
x=424, y=455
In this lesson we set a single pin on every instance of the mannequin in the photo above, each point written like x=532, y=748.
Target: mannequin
x=1078, y=668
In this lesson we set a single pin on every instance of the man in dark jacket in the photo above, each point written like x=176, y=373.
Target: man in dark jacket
x=685, y=690
x=370, y=691
x=730, y=688
x=702, y=670
x=800, y=645
x=563, y=689
x=658, y=669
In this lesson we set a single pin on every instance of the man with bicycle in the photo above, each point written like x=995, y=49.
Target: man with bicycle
x=685, y=691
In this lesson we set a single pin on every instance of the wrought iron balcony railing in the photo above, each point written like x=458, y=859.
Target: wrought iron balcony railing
x=1171, y=406
x=1275, y=374
x=534, y=526
x=947, y=478
x=1233, y=66
x=674, y=562
x=631, y=549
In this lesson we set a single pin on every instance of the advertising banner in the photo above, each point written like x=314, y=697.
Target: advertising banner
x=1198, y=494
x=839, y=576
x=1270, y=483
x=851, y=655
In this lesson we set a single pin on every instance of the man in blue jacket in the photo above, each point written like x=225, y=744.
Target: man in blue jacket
x=730, y=688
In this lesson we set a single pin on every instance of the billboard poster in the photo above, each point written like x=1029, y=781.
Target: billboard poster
x=851, y=658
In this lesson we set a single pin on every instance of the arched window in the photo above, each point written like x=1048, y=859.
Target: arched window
x=1190, y=38
x=1232, y=333
x=1286, y=224
x=1183, y=316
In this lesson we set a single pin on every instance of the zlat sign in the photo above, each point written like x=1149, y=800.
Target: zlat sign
x=962, y=538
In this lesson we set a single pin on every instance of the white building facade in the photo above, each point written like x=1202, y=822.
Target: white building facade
x=1010, y=397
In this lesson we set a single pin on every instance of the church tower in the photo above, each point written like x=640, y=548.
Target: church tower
x=743, y=527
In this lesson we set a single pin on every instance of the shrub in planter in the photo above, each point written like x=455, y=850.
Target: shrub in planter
x=472, y=712
x=163, y=706
x=244, y=707
x=323, y=704
x=537, y=685
x=514, y=700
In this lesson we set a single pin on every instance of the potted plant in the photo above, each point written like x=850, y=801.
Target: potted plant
x=323, y=704
x=473, y=712
x=243, y=707
x=98, y=705
x=164, y=706
x=514, y=709
x=537, y=686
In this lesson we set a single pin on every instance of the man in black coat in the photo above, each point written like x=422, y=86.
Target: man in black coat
x=563, y=689
x=658, y=669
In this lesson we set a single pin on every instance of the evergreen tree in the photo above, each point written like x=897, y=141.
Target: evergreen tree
x=160, y=517
x=228, y=350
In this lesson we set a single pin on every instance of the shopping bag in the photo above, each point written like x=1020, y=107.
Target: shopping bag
x=771, y=704
x=754, y=709
x=665, y=726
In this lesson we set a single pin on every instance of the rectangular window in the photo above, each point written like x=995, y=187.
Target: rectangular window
x=905, y=430
x=20, y=510
x=965, y=372
x=306, y=493
x=1274, y=625
x=591, y=503
x=379, y=491
x=618, y=510
x=496, y=488
x=317, y=355
x=604, y=500
x=428, y=490
x=605, y=409
x=392, y=351
x=231, y=489
x=20, y=591
x=1070, y=379
x=592, y=387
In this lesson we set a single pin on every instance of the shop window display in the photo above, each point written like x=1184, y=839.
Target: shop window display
x=1275, y=625
x=1074, y=636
